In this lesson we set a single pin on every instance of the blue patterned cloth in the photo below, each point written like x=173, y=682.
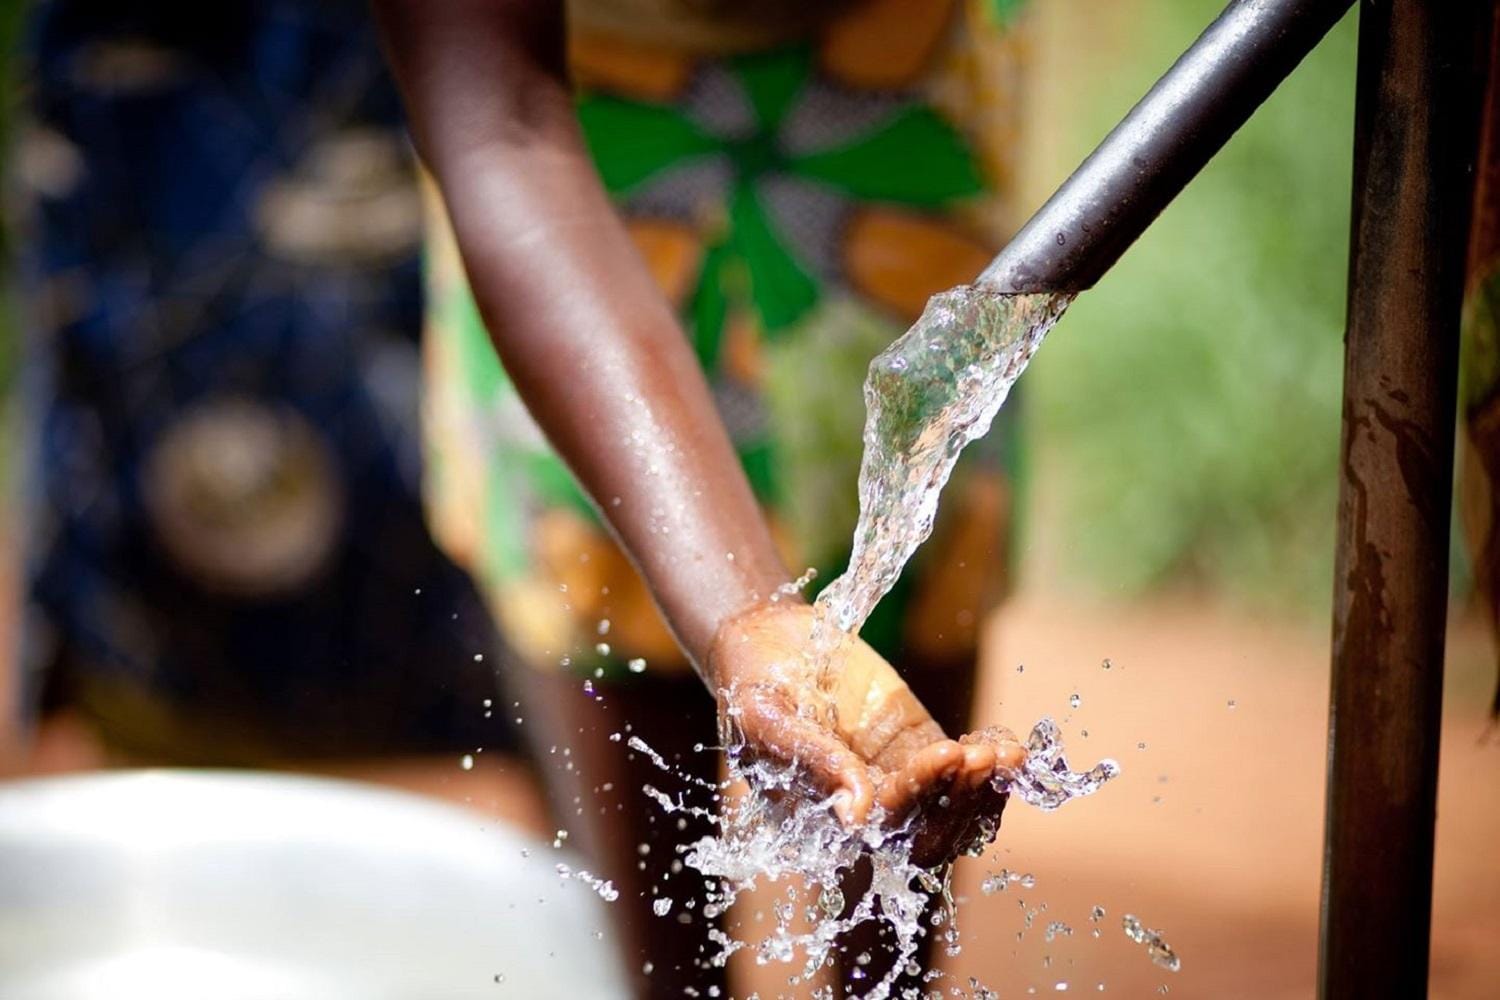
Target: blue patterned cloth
x=219, y=242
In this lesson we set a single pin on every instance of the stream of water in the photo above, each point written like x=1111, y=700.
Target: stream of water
x=934, y=390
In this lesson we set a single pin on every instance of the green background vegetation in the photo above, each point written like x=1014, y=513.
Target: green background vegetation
x=1183, y=416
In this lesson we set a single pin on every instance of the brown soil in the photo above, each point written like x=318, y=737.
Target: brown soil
x=1213, y=831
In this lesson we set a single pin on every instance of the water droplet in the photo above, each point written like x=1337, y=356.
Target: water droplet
x=1075, y=701
x=637, y=665
x=1157, y=948
x=603, y=627
x=499, y=977
x=662, y=906
x=1231, y=703
x=602, y=648
x=466, y=762
x=1107, y=665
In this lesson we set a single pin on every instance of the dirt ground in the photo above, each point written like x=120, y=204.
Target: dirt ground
x=1211, y=834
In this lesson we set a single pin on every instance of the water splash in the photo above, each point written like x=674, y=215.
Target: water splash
x=1004, y=878
x=776, y=835
x=602, y=886
x=793, y=588
x=1157, y=948
x=1045, y=780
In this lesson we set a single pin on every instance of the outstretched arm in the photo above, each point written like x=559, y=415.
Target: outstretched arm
x=590, y=343
x=600, y=361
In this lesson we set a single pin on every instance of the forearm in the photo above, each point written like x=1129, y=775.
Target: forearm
x=589, y=342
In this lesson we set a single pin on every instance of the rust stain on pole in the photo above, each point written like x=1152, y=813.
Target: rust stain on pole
x=1421, y=70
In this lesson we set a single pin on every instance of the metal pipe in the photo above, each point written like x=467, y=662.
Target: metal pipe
x=1416, y=133
x=1162, y=144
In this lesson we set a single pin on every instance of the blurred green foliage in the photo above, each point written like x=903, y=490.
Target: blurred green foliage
x=1185, y=412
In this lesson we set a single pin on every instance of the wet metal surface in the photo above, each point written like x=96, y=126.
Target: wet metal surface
x=1417, y=119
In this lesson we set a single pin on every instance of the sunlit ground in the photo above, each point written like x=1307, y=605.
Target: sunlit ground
x=1212, y=834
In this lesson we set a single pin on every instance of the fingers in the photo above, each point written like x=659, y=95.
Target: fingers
x=773, y=729
x=948, y=786
x=1010, y=752
x=928, y=773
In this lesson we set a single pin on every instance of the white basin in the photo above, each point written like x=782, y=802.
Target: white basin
x=229, y=885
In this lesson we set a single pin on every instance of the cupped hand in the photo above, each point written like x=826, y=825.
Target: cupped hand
x=879, y=754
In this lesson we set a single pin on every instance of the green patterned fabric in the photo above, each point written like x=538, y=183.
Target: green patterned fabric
x=758, y=165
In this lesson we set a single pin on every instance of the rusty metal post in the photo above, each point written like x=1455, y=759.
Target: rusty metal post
x=1421, y=66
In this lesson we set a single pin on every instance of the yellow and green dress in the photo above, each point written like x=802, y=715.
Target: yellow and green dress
x=797, y=194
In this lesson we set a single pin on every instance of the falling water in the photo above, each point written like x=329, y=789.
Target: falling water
x=933, y=391
x=927, y=396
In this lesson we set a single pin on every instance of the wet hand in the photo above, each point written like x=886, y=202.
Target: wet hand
x=880, y=754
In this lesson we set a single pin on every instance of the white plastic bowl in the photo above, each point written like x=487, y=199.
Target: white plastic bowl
x=229, y=885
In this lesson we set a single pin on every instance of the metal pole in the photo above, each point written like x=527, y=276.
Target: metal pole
x=1416, y=128
x=1162, y=144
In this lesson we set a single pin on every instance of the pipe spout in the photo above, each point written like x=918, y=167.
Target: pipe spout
x=1162, y=144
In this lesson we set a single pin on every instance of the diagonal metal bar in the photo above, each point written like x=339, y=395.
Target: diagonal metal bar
x=1162, y=144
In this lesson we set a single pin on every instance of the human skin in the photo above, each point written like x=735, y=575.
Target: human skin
x=600, y=361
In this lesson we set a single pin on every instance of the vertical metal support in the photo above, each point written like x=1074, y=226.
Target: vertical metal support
x=1421, y=67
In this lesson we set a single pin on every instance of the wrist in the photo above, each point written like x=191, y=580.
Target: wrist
x=769, y=622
